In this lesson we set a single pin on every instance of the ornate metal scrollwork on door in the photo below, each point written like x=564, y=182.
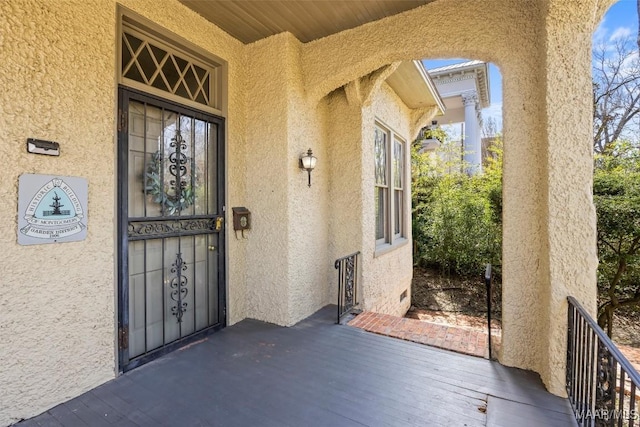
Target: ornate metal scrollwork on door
x=167, y=228
x=178, y=287
x=180, y=194
x=178, y=161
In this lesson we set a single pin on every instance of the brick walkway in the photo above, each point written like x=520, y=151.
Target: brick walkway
x=456, y=338
x=466, y=340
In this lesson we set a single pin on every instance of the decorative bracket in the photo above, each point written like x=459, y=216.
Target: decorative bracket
x=359, y=91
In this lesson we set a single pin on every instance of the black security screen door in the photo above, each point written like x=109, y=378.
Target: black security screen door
x=171, y=240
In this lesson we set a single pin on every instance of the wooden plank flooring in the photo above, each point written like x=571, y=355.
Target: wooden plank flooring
x=314, y=374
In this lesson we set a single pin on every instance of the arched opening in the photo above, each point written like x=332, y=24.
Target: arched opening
x=457, y=207
x=547, y=216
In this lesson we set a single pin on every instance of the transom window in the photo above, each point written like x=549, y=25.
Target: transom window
x=389, y=197
x=155, y=64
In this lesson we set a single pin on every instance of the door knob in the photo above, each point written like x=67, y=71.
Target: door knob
x=212, y=248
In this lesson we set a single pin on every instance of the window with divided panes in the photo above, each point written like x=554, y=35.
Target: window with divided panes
x=389, y=156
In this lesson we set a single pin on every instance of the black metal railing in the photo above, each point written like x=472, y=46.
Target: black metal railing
x=488, y=280
x=601, y=383
x=347, y=267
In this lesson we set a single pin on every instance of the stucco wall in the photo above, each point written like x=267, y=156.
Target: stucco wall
x=288, y=258
x=308, y=206
x=294, y=224
x=345, y=182
x=57, y=80
x=268, y=167
x=569, y=167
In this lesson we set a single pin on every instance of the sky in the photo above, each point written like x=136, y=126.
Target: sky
x=620, y=20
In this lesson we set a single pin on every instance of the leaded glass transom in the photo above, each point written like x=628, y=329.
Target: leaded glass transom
x=154, y=64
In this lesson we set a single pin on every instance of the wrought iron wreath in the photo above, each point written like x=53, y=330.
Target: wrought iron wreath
x=182, y=195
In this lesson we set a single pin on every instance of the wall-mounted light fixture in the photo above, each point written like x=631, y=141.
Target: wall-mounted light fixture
x=307, y=163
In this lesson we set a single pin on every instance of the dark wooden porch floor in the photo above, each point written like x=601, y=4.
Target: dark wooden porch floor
x=314, y=374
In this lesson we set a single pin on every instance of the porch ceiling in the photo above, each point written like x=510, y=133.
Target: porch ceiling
x=252, y=20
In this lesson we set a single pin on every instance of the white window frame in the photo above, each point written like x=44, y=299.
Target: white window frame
x=391, y=239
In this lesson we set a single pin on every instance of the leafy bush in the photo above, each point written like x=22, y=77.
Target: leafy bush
x=616, y=190
x=457, y=218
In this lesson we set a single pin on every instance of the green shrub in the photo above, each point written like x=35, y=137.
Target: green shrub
x=457, y=219
x=616, y=188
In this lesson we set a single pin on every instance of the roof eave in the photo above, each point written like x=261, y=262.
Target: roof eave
x=414, y=87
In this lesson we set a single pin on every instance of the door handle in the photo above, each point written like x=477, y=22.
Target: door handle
x=212, y=248
x=219, y=222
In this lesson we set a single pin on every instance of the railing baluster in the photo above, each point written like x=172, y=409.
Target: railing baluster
x=576, y=359
x=613, y=370
x=580, y=378
x=347, y=267
x=621, y=396
x=592, y=371
x=588, y=364
x=590, y=368
x=570, y=351
x=633, y=415
x=595, y=367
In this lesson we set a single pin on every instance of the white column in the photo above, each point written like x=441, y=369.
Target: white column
x=472, y=142
x=479, y=135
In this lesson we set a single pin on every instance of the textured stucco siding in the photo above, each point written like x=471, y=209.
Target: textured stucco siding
x=308, y=206
x=571, y=222
x=58, y=82
x=58, y=323
x=345, y=182
x=268, y=169
x=288, y=258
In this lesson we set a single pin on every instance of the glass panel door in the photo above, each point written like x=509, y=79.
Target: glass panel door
x=172, y=245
